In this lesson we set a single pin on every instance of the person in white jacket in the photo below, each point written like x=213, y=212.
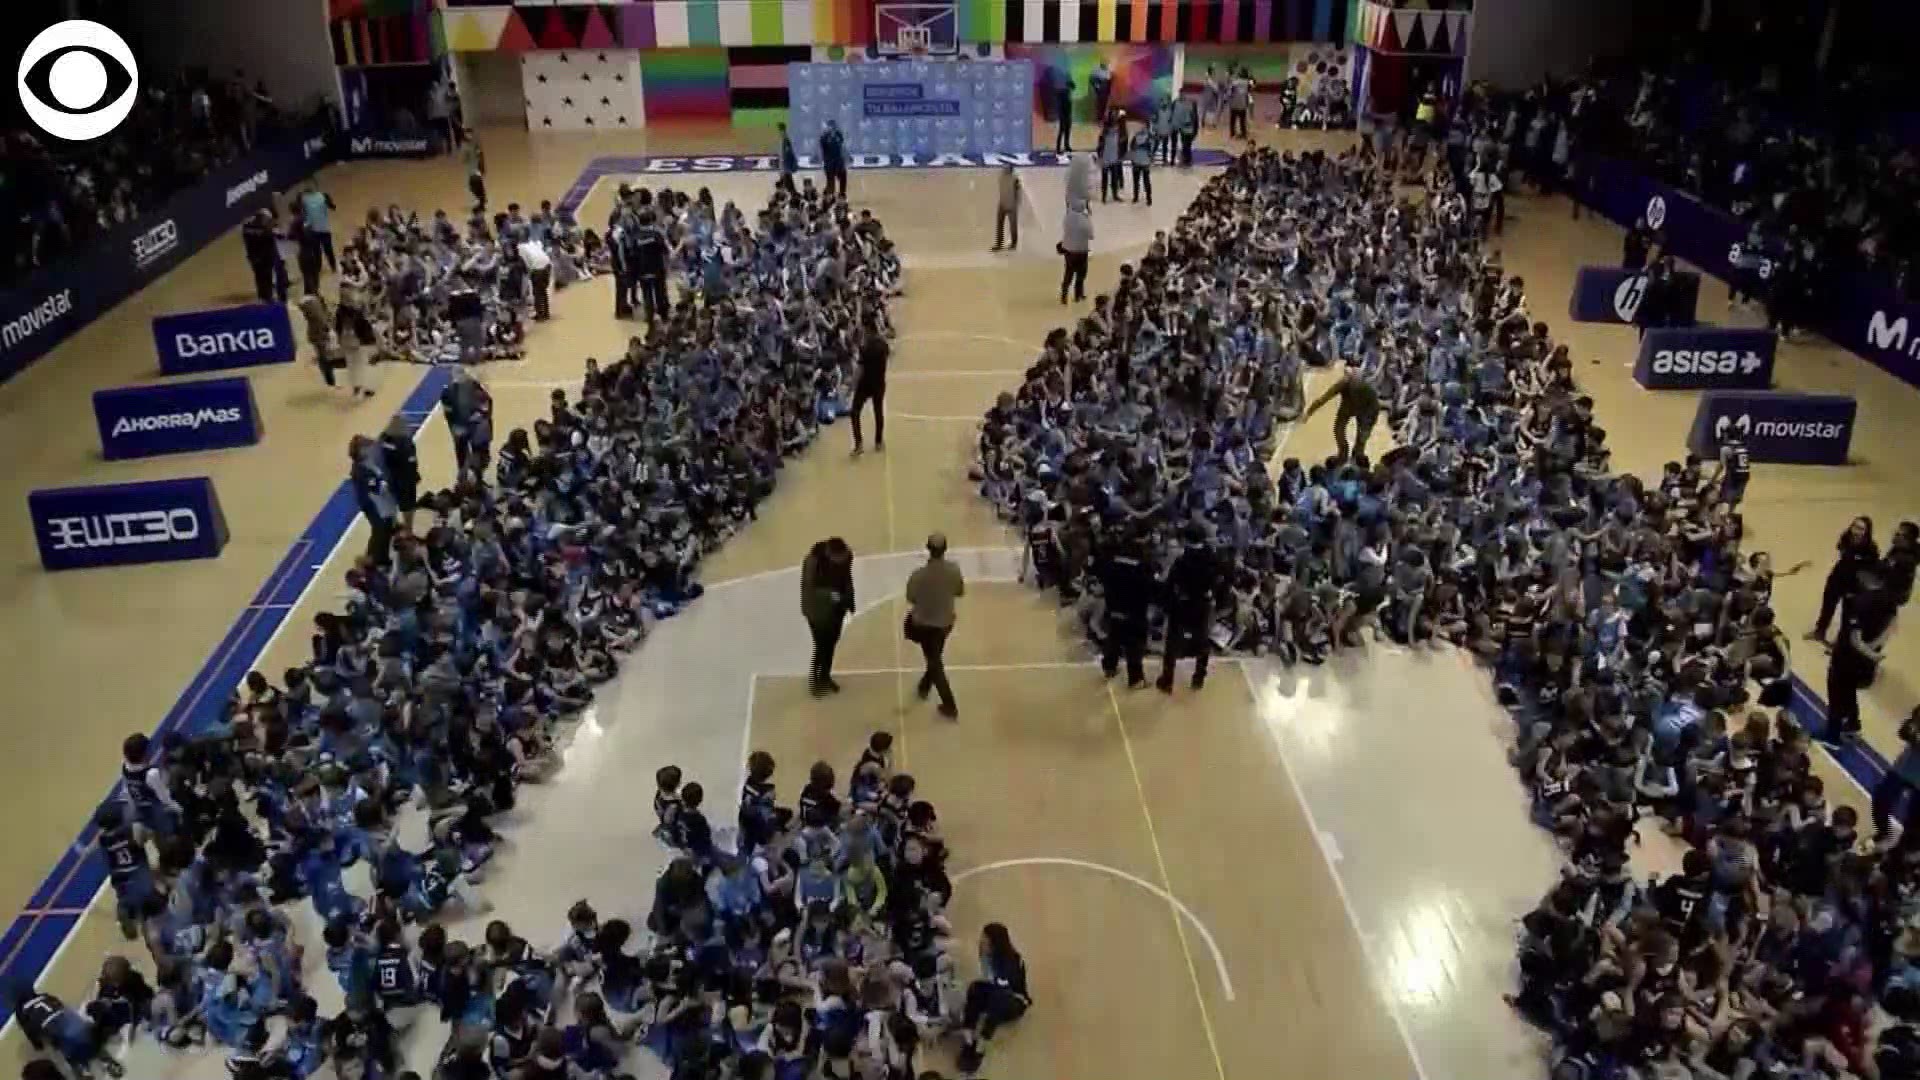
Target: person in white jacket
x=1080, y=170
x=1076, y=241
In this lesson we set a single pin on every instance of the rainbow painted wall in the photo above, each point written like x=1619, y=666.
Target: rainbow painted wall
x=673, y=24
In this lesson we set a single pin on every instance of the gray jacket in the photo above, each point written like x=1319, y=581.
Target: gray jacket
x=1076, y=231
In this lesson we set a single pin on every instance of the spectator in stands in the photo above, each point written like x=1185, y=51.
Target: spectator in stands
x=55, y=202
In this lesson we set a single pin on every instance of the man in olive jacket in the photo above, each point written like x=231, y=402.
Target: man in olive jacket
x=826, y=599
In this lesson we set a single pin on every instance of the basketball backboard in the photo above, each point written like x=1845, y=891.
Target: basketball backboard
x=901, y=29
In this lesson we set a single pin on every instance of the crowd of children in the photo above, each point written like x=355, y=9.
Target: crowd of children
x=435, y=293
x=446, y=682
x=1628, y=628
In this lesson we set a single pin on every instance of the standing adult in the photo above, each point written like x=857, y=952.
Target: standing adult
x=789, y=163
x=1866, y=620
x=1076, y=242
x=833, y=158
x=1141, y=154
x=1186, y=127
x=1113, y=151
x=1100, y=82
x=931, y=592
x=1901, y=783
x=540, y=273
x=1239, y=104
x=1006, y=214
x=1192, y=581
x=469, y=411
x=1080, y=170
x=316, y=208
x=1127, y=583
x=262, y=246
x=1856, y=548
x=650, y=266
x=402, y=462
x=468, y=313
x=826, y=599
x=1063, y=113
x=476, y=166
x=374, y=495
x=1359, y=405
x=870, y=383
x=619, y=252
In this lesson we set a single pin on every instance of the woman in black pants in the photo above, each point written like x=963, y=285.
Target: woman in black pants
x=998, y=997
x=1857, y=548
x=1865, y=622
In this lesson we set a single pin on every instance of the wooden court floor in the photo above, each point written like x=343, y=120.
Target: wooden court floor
x=1044, y=764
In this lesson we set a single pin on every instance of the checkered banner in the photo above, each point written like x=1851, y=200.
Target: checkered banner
x=919, y=107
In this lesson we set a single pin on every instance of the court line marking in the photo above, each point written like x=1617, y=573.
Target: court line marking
x=934, y=419
x=968, y=335
x=1339, y=883
x=1160, y=861
x=1185, y=912
x=952, y=553
x=958, y=373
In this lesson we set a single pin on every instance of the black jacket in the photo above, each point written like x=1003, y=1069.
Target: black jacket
x=263, y=248
x=1128, y=584
x=403, y=462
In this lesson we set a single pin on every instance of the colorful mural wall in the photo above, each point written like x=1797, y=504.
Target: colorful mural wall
x=667, y=24
x=686, y=84
x=1142, y=74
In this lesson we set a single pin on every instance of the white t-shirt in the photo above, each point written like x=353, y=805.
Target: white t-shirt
x=534, y=255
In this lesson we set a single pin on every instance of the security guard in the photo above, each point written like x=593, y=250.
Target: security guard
x=1192, y=582
x=1128, y=585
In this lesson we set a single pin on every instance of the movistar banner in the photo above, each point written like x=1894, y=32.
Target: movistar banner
x=1706, y=358
x=1857, y=311
x=176, y=418
x=120, y=524
x=59, y=300
x=224, y=338
x=1779, y=427
x=386, y=144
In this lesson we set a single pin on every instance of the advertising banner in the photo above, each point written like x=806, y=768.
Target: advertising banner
x=919, y=107
x=1776, y=426
x=124, y=524
x=1612, y=294
x=223, y=338
x=62, y=298
x=176, y=418
x=1706, y=358
x=1858, y=312
x=381, y=144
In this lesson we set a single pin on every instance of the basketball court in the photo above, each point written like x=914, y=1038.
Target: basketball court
x=1292, y=872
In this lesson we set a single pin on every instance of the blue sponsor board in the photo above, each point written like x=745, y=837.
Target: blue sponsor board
x=61, y=299
x=914, y=108
x=176, y=418
x=1778, y=427
x=1856, y=311
x=1612, y=294
x=1706, y=358
x=122, y=524
x=224, y=338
